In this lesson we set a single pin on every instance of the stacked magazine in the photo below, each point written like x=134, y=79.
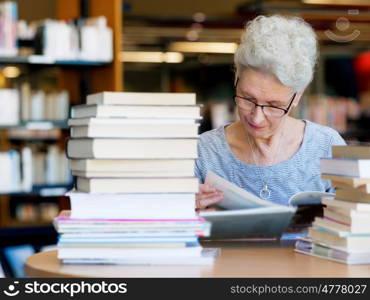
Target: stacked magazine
x=133, y=156
x=343, y=233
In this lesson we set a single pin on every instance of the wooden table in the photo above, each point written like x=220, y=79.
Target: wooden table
x=237, y=259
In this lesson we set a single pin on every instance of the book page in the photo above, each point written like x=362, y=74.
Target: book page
x=309, y=198
x=234, y=196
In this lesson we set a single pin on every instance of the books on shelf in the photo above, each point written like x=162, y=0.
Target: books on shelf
x=87, y=39
x=41, y=106
x=10, y=107
x=8, y=28
x=329, y=111
x=10, y=171
x=20, y=171
x=135, y=185
x=96, y=40
x=343, y=233
x=50, y=166
x=36, y=212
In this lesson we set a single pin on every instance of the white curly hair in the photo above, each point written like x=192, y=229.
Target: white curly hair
x=283, y=46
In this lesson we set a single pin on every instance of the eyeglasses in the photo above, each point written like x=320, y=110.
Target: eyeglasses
x=269, y=110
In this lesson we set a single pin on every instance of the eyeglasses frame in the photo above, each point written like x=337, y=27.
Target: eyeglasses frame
x=286, y=110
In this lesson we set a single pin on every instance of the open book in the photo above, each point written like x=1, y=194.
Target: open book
x=246, y=214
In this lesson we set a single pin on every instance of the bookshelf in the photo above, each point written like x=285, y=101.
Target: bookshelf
x=41, y=60
x=77, y=76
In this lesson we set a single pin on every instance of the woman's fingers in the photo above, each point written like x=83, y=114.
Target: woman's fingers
x=205, y=200
x=206, y=188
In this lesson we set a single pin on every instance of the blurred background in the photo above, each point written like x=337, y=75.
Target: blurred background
x=55, y=52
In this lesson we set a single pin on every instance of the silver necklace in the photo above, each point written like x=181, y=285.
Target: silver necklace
x=265, y=192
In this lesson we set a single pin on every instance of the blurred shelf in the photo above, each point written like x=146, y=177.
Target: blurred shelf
x=362, y=134
x=35, y=234
x=38, y=223
x=42, y=60
x=38, y=125
x=47, y=190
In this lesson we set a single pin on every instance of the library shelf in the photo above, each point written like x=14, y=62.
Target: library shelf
x=38, y=125
x=46, y=190
x=37, y=223
x=42, y=60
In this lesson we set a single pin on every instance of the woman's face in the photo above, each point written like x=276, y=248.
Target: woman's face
x=264, y=89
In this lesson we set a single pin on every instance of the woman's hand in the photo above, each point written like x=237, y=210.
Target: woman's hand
x=208, y=195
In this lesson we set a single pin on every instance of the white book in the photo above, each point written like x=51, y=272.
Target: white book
x=25, y=101
x=126, y=253
x=52, y=164
x=26, y=169
x=132, y=148
x=335, y=253
x=345, y=167
x=348, y=241
x=50, y=107
x=347, y=205
x=62, y=104
x=207, y=257
x=10, y=107
x=144, y=130
x=131, y=206
x=136, y=111
x=129, y=98
x=39, y=168
x=38, y=106
x=130, y=121
x=9, y=172
x=336, y=226
x=133, y=167
x=138, y=185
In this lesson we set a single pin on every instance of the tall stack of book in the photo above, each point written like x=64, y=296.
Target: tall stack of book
x=133, y=156
x=343, y=233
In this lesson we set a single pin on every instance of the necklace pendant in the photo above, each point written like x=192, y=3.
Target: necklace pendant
x=265, y=192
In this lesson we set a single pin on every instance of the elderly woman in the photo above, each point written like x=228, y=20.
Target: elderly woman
x=267, y=152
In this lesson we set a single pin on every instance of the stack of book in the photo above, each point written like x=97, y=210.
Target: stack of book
x=343, y=233
x=133, y=156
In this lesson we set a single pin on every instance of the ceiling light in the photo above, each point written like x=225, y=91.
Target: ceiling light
x=339, y=2
x=151, y=57
x=204, y=47
x=11, y=72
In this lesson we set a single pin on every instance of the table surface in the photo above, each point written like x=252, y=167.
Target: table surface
x=236, y=259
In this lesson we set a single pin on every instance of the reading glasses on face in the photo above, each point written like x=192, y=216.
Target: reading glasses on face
x=268, y=110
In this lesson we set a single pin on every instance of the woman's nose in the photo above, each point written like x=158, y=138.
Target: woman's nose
x=258, y=115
